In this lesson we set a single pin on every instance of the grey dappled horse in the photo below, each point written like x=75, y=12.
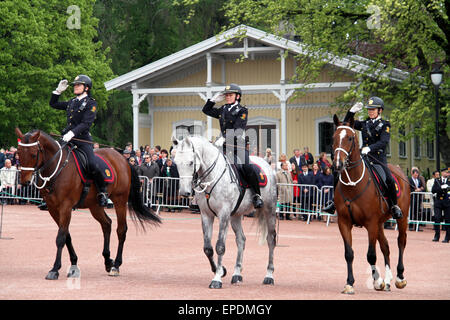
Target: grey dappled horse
x=204, y=169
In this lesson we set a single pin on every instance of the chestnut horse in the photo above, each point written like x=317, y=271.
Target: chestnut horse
x=358, y=202
x=54, y=172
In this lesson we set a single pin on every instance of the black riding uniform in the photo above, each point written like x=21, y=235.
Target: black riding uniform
x=441, y=207
x=80, y=117
x=233, y=121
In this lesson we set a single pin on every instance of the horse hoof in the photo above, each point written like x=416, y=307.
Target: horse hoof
x=348, y=289
x=400, y=284
x=215, y=284
x=379, y=286
x=114, y=272
x=236, y=279
x=109, y=265
x=52, y=275
x=74, y=272
x=268, y=280
x=388, y=287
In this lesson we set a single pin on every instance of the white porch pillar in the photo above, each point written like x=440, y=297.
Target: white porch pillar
x=208, y=93
x=151, y=113
x=137, y=99
x=283, y=103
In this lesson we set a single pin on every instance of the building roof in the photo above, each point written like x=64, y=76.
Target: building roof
x=352, y=63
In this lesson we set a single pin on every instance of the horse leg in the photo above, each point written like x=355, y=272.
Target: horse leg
x=74, y=271
x=61, y=239
x=345, y=228
x=384, y=245
x=216, y=283
x=207, y=226
x=240, y=243
x=270, y=221
x=372, y=258
x=400, y=281
x=100, y=215
x=122, y=228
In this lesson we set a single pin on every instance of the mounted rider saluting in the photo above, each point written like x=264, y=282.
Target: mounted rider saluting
x=375, y=137
x=81, y=111
x=233, y=121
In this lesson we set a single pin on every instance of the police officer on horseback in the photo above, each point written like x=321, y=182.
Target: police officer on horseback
x=233, y=120
x=375, y=136
x=81, y=111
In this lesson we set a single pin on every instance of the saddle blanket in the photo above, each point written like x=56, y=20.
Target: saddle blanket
x=380, y=178
x=81, y=164
x=262, y=177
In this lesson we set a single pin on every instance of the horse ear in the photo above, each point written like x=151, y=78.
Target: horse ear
x=35, y=136
x=351, y=122
x=175, y=141
x=19, y=133
x=336, y=120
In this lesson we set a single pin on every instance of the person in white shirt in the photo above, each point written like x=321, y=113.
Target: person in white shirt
x=8, y=178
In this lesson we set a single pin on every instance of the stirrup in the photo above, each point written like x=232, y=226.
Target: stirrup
x=257, y=201
x=396, y=212
x=329, y=207
x=102, y=199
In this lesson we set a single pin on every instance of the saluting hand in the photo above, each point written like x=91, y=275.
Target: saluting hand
x=62, y=86
x=356, y=107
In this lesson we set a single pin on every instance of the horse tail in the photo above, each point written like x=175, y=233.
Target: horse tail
x=262, y=227
x=136, y=204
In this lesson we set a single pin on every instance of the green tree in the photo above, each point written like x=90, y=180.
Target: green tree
x=41, y=43
x=410, y=35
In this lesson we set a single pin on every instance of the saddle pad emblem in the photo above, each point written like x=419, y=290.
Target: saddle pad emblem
x=108, y=173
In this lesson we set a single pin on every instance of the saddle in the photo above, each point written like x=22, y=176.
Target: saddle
x=84, y=172
x=379, y=175
x=262, y=177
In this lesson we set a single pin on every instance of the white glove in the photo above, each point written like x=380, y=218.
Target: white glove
x=219, y=96
x=219, y=142
x=62, y=86
x=365, y=150
x=69, y=135
x=356, y=107
x=444, y=186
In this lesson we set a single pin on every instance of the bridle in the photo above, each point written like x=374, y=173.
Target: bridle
x=348, y=164
x=38, y=171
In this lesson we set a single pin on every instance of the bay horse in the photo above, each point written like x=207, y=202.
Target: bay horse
x=358, y=202
x=54, y=172
x=204, y=168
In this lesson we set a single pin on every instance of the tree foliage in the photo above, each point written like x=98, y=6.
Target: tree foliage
x=39, y=46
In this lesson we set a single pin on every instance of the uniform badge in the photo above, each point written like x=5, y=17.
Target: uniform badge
x=227, y=88
x=93, y=109
x=370, y=102
x=387, y=129
x=108, y=173
x=243, y=116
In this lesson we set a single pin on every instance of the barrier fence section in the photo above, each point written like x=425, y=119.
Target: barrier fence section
x=159, y=192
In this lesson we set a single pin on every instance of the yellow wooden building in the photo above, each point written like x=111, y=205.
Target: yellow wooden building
x=177, y=86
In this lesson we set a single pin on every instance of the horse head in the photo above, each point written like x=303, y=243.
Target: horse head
x=186, y=162
x=30, y=153
x=345, y=143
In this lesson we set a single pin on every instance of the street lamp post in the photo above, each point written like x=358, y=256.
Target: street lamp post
x=436, y=78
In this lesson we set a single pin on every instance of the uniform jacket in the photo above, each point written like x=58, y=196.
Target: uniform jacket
x=442, y=199
x=375, y=135
x=234, y=118
x=80, y=115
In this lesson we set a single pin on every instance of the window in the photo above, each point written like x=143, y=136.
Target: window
x=326, y=131
x=187, y=128
x=402, y=144
x=417, y=147
x=430, y=149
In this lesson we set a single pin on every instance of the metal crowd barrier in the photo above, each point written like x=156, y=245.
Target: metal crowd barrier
x=421, y=210
x=163, y=192
x=17, y=193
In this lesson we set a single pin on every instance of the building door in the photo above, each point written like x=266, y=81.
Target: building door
x=261, y=137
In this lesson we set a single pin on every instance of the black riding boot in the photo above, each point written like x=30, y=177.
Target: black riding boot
x=329, y=206
x=447, y=233
x=252, y=180
x=395, y=209
x=437, y=232
x=102, y=192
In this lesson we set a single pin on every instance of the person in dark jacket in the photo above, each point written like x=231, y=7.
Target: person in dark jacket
x=233, y=121
x=81, y=111
x=170, y=191
x=442, y=205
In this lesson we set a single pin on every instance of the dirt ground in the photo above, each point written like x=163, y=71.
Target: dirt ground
x=168, y=262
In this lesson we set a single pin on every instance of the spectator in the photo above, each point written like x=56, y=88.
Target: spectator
x=133, y=162
x=96, y=146
x=126, y=154
x=327, y=186
x=163, y=158
x=284, y=191
x=416, y=185
x=323, y=162
x=442, y=205
x=170, y=191
x=305, y=181
x=8, y=177
x=138, y=156
x=308, y=156
x=2, y=158
x=15, y=160
x=430, y=181
x=269, y=157
x=281, y=159
x=150, y=169
x=296, y=190
x=297, y=159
